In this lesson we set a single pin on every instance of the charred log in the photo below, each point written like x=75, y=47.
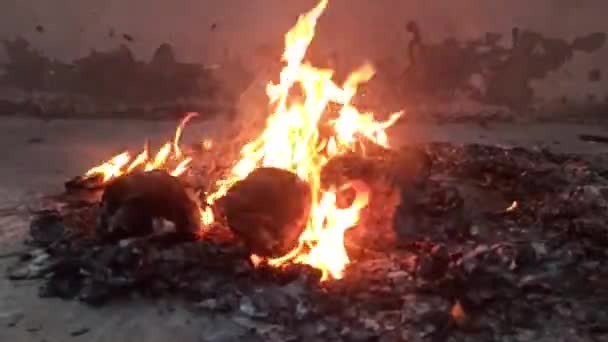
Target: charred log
x=268, y=210
x=131, y=203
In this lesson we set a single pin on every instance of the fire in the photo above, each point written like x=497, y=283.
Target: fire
x=291, y=141
x=123, y=163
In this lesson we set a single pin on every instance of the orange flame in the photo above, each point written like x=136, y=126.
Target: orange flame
x=170, y=154
x=291, y=141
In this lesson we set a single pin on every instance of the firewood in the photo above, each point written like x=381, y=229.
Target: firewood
x=268, y=210
x=131, y=203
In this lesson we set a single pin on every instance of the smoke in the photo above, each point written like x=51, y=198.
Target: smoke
x=204, y=30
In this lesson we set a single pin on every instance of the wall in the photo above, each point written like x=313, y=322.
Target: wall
x=559, y=64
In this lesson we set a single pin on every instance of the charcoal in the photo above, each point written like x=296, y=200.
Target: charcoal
x=131, y=203
x=433, y=265
x=95, y=293
x=268, y=210
x=65, y=281
x=47, y=227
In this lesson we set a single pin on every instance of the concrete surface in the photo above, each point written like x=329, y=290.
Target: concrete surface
x=38, y=156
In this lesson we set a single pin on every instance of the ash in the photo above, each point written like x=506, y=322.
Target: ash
x=485, y=244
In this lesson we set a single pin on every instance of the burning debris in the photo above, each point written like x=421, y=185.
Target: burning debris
x=130, y=204
x=273, y=237
x=464, y=267
x=268, y=209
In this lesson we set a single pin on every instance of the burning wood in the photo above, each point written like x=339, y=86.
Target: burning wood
x=291, y=141
x=131, y=203
x=269, y=210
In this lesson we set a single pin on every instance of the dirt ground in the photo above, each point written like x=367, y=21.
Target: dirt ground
x=39, y=156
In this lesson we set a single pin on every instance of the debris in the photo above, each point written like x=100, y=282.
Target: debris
x=47, y=227
x=490, y=274
x=433, y=265
x=79, y=331
x=130, y=204
x=594, y=138
x=127, y=37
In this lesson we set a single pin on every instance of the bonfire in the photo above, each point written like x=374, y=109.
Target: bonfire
x=319, y=229
x=291, y=141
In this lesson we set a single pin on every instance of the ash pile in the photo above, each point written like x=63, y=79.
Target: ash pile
x=457, y=243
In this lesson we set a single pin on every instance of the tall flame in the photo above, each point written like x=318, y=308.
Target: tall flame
x=291, y=141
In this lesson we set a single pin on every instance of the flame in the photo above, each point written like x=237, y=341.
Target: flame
x=291, y=141
x=169, y=157
x=178, y=133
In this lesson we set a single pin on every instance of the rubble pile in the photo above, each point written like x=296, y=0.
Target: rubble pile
x=480, y=243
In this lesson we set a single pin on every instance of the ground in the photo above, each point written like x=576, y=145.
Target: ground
x=39, y=156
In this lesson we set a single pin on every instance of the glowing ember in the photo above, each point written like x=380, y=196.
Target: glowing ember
x=512, y=207
x=291, y=141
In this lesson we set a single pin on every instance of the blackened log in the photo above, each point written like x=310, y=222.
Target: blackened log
x=130, y=204
x=268, y=210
